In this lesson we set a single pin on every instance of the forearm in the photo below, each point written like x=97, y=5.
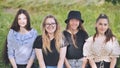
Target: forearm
x=60, y=63
x=62, y=57
x=92, y=63
x=30, y=63
x=67, y=63
x=113, y=62
x=41, y=65
x=84, y=62
x=13, y=63
x=40, y=58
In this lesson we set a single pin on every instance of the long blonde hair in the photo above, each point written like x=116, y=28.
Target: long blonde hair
x=45, y=36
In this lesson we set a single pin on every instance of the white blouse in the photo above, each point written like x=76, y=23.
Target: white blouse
x=100, y=51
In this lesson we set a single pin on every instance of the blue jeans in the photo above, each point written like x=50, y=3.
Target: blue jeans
x=51, y=66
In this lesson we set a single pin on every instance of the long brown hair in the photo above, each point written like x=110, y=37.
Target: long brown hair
x=46, y=39
x=15, y=26
x=109, y=35
x=80, y=27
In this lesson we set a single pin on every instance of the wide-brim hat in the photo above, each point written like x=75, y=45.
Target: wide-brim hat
x=74, y=15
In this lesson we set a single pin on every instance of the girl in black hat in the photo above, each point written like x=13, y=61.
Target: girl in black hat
x=76, y=36
x=102, y=49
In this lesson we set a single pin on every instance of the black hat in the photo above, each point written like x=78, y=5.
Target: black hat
x=74, y=14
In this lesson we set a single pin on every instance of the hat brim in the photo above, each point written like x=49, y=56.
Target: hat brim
x=67, y=20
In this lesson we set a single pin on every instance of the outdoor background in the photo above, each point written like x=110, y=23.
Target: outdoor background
x=38, y=9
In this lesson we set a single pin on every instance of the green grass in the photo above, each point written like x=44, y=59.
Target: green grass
x=38, y=9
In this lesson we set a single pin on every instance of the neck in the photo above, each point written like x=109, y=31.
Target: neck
x=101, y=34
x=23, y=30
x=73, y=31
x=51, y=36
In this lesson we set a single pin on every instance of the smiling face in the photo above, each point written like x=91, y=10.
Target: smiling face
x=74, y=24
x=22, y=20
x=102, y=26
x=50, y=25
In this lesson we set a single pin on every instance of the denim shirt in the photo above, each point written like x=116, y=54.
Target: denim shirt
x=20, y=46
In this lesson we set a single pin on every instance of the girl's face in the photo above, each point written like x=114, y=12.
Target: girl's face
x=74, y=23
x=102, y=26
x=22, y=20
x=50, y=25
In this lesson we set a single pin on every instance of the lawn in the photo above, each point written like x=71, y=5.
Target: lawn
x=38, y=9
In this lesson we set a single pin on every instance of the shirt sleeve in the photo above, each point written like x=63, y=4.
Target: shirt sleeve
x=87, y=48
x=10, y=46
x=115, y=49
x=33, y=54
x=38, y=43
x=64, y=42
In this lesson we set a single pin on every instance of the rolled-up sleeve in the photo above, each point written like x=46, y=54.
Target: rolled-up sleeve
x=87, y=49
x=115, y=49
x=10, y=43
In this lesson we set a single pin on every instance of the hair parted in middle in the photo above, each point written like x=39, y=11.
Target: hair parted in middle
x=15, y=26
x=57, y=35
x=109, y=35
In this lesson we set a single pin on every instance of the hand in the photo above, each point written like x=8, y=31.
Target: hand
x=68, y=66
x=28, y=66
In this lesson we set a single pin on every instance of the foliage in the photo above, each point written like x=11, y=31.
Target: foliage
x=38, y=9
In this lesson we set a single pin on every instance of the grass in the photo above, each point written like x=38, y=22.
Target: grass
x=38, y=9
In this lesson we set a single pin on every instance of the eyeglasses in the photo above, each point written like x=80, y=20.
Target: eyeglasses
x=48, y=24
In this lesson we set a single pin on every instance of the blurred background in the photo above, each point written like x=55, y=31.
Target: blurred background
x=38, y=9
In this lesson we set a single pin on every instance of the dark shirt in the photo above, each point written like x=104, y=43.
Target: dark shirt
x=72, y=52
x=51, y=58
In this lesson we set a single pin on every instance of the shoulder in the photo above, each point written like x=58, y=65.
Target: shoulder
x=39, y=37
x=11, y=32
x=33, y=30
x=66, y=33
x=83, y=32
x=90, y=39
x=38, y=42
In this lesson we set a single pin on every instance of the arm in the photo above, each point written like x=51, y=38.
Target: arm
x=113, y=62
x=62, y=57
x=13, y=63
x=84, y=62
x=87, y=52
x=31, y=60
x=10, y=52
x=92, y=63
x=115, y=53
x=40, y=58
x=67, y=63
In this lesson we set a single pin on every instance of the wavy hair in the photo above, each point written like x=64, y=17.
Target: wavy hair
x=109, y=35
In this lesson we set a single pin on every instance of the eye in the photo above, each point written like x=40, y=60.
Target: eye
x=25, y=18
x=19, y=18
x=100, y=23
x=105, y=24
